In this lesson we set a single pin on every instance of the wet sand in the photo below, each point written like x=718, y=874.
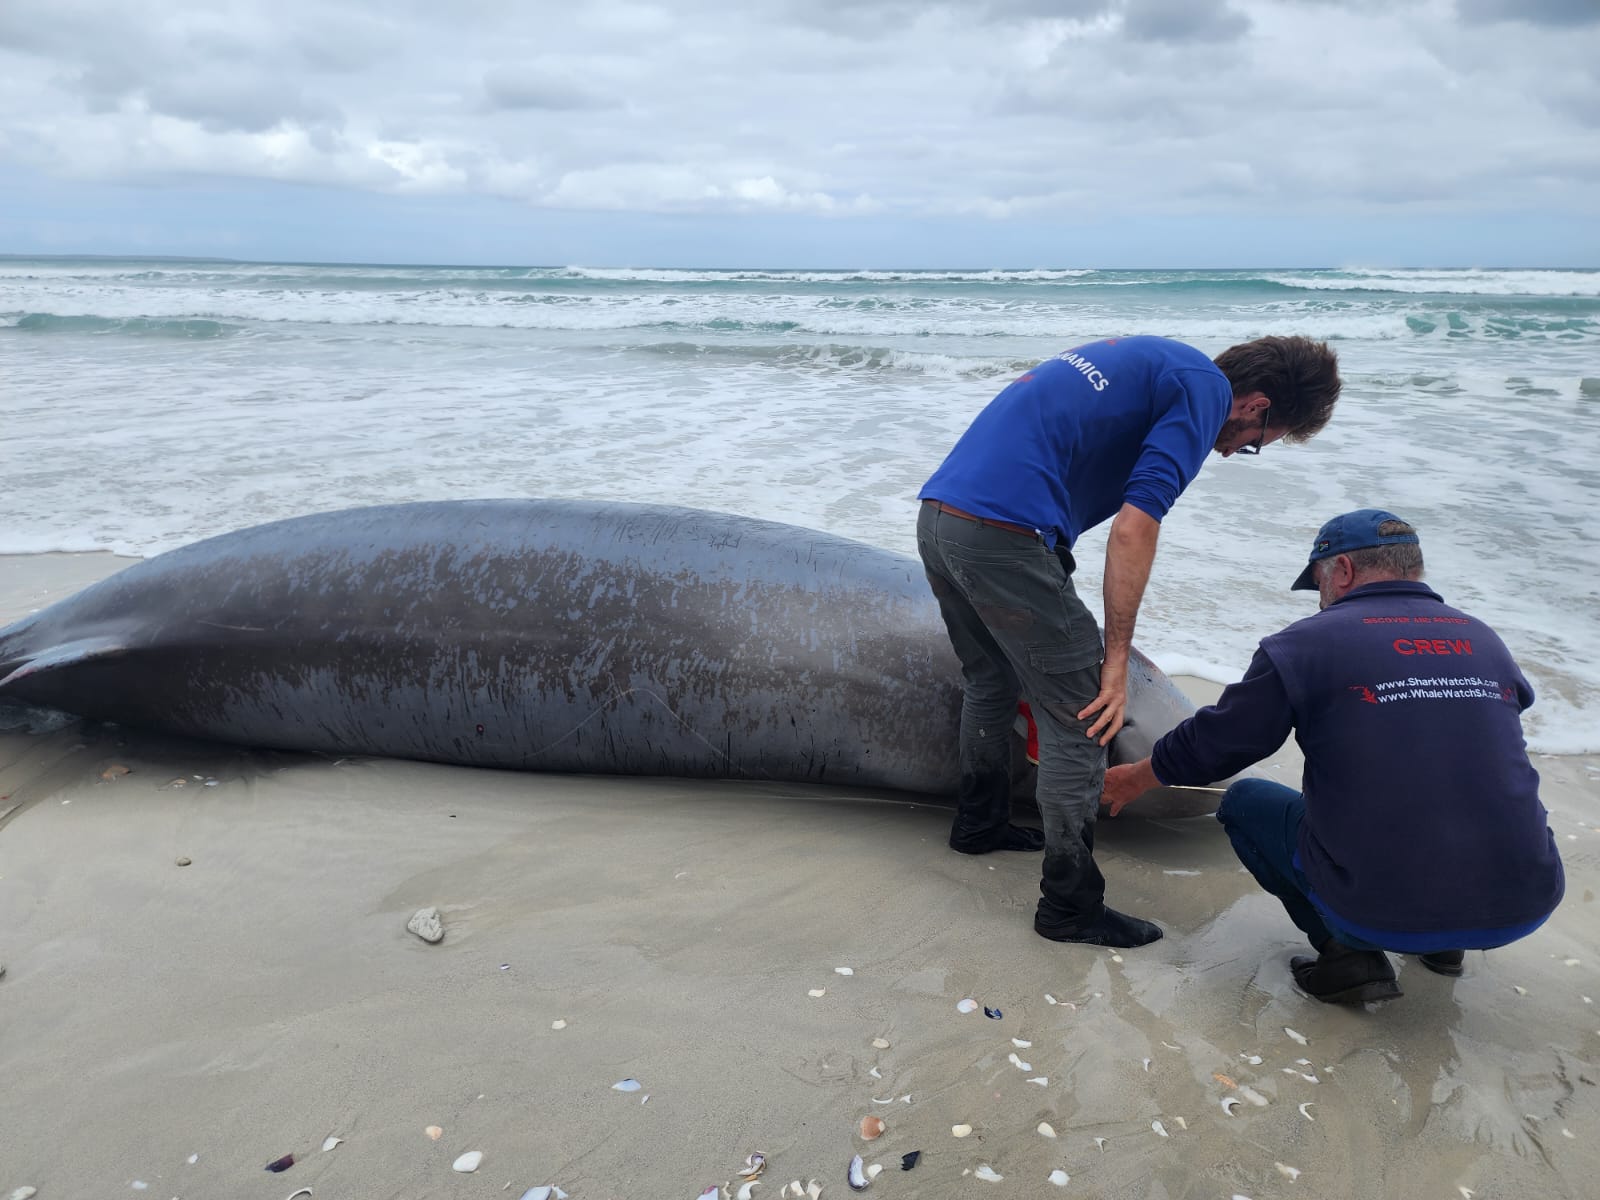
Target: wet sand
x=268, y=995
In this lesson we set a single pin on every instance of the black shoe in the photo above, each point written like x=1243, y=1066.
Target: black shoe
x=1112, y=929
x=1012, y=837
x=1444, y=962
x=1340, y=975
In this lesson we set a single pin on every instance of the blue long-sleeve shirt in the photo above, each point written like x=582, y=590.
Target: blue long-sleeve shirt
x=1127, y=420
x=1422, y=810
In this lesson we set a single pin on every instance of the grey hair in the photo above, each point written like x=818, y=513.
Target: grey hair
x=1399, y=560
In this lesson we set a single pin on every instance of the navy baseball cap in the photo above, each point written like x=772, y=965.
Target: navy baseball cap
x=1350, y=531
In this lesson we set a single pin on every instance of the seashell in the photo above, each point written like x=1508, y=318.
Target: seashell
x=1290, y=1071
x=626, y=1085
x=993, y=1014
x=875, y=1073
x=960, y=1130
x=24, y=1193
x=873, y=1170
x=1302, y=1062
x=908, y=1161
x=1116, y=958
x=886, y=1100
x=1253, y=1059
x=305, y=1191
x=1569, y=962
x=1046, y=1129
x=1520, y=990
x=468, y=1162
x=753, y=1166
x=844, y=970
x=1229, y=1103
x=967, y=1005
x=1146, y=1064
x=747, y=1189
x=988, y=1174
x=1304, y=1113
x=1255, y=1097
x=856, y=1175
x=139, y=1185
x=1021, y=1045
x=880, y=1044
x=434, y=1132
x=330, y=1142
x=281, y=1164
x=1049, y=999
x=1466, y=1193
x=192, y=1159
x=817, y=993
x=114, y=771
x=1288, y=1172
x=1100, y=1144
x=1225, y=1081
x=813, y=1189
x=1309, y=1078
x=425, y=923
x=906, y=1099
x=1567, y=1133
x=1041, y=1080
x=1018, y=1063
x=1161, y=1130
x=1060, y=1178
x=1297, y=1036
x=558, y=1023
x=709, y=1194
x=1182, y=1124
x=871, y=1127
x=1170, y=1046
x=543, y=1192
x=794, y=1186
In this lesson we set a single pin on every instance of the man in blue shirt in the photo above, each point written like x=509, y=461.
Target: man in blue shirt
x=1112, y=430
x=1419, y=828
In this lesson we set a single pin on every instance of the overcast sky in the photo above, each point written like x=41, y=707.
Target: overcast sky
x=806, y=132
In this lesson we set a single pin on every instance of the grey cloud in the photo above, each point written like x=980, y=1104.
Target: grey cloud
x=1532, y=12
x=533, y=87
x=1183, y=21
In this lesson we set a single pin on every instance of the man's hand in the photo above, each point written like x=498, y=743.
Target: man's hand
x=1111, y=704
x=1127, y=783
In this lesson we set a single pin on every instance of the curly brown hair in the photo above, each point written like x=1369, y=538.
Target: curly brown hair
x=1299, y=376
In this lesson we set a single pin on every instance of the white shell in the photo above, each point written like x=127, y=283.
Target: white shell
x=1046, y=1129
x=1021, y=1045
x=1041, y=1080
x=24, y=1193
x=1182, y=1124
x=1146, y=1064
x=967, y=1005
x=626, y=1085
x=1049, y=999
x=817, y=993
x=813, y=1189
x=1116, y=958
x=1100, y=1144
x=880, y=1043
x=856, y=1176
x=844, y=970
x=1288, y=1172
x=1296, y=1035
x=1018, y=1063
x=1060, y=1178
x=542, y=1192
x=875, y=1073
x=872, y=1171
x=558, y=1023
x=747, y=1188
x=960, y=1130
x=1304, y=1113
x=468, y=1162
x=1229, y=1103
x=192, y=1159
x=329, y=1143
x=305, y=1191
x=1161, y=1130
x=425, y=923
x=1253, y=1059
x=988, y=1174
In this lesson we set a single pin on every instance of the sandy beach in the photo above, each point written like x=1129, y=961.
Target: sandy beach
x=168, y=1030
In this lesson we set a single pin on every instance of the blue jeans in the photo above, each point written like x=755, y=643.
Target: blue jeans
x=1263, y=823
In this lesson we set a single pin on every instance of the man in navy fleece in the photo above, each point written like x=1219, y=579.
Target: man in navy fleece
x=1112, y=430
x=1419, y=828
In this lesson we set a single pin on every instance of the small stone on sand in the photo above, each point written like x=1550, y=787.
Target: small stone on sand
x=184, y=860
x=426, y=925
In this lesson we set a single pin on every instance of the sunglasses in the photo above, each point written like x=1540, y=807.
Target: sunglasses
x=1255, y=446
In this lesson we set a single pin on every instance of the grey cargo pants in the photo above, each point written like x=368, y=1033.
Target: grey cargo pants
x=1019, y=629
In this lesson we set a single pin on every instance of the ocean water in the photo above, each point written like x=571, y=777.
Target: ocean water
x=148, y=404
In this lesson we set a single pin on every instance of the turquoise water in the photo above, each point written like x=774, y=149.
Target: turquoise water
x=145, y=404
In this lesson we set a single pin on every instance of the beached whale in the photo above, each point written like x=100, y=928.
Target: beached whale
x=553, y=635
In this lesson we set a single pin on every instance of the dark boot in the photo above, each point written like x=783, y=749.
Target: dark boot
x=1444, y=962
x=983, y=817
x=1112, y=928
x=1340, y=975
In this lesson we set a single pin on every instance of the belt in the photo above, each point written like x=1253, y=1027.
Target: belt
x=953, y=511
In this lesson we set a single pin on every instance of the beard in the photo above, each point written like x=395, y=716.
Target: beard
x=1233, y=430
